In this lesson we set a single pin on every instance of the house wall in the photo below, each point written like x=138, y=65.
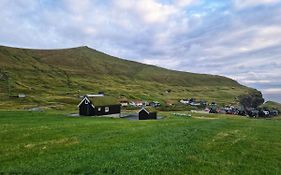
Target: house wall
x=112, y=109
x=86, y=109
x=143, y=115
x=152, y=115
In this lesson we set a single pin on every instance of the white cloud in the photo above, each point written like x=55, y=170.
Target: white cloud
x=152, y=11
x=273, y=91
x=240, y=4
x=184, y=3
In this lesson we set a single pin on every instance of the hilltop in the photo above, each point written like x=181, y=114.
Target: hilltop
x=58, y=77
x=272, y=105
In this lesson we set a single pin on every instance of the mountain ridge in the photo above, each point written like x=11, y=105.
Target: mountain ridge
x=83, y=69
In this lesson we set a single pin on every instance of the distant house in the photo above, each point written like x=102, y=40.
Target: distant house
x=194, y=103
x=21, y=96
x=168, y=91
x=145, y=103
x=213, y=109
x=154, y=104
x=203, y=103
x=139, y=103
x=131, y=103
x=96, y=105
x=184, y=101
x=228, y=110
x=147, y=114
x=213, y=104
x=124, y=103
x=136, y=103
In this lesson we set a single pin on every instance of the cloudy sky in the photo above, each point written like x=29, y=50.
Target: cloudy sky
x=240, y=39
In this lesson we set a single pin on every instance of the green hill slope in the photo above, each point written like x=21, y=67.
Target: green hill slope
x=58, y=77
x=272, y=105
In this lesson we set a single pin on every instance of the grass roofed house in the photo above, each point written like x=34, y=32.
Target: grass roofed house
x=96, y=105
x=147, y=114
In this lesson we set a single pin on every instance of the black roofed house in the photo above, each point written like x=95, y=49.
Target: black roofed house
x=147, y=114
x=96, y=105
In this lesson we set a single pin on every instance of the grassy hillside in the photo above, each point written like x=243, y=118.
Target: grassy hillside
x=272, y=105
x=46, y=143
x=57, y=77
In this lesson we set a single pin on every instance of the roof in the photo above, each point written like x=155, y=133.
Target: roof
x=95, y=95
x=100, y=100
x=149, y=109
x=103, y=100
x=137, y=101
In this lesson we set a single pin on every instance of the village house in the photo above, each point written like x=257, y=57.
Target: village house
x=96, y=105
x=136, y=103
x=145, y=103
x=124, y=103
x=184, y=101
x=154, y=104
x=147, y=114
x=194, y=103
x=21, y=95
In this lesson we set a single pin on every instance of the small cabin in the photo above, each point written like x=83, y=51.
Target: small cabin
x=136, y=103
x=21, y=95
x=184, y=101
x=147, y=114
x=99, y=105
x=124, y=103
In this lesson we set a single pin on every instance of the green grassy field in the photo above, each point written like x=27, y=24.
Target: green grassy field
x=53, y=143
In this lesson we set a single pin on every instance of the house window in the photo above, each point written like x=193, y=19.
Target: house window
x=106, y=109
x=99, y=109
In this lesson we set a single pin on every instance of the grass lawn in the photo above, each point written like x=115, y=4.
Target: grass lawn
x=52, y=143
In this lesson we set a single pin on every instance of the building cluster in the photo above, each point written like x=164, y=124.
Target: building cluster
x=100, y=104
x=233, y=110
x=251, y=112
x=194, y=102
x=139, y=103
